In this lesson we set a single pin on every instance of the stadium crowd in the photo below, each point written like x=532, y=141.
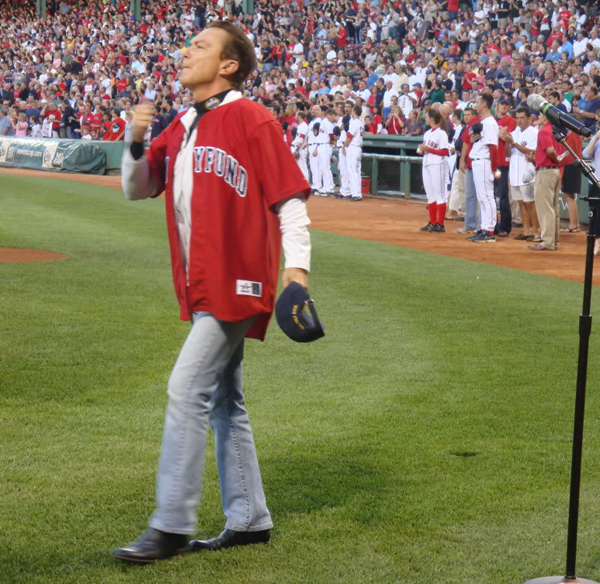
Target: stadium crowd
x=78, y=72
x=86, y=64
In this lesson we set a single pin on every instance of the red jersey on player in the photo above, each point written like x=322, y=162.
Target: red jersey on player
x=509, y=124
x=242, y=169
x=466, y=138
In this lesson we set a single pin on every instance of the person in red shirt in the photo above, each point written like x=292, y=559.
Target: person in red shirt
x=341, y=37
x=506, y=124
x=377, y=120
x=452, y=7
x=106, y=128
x=571, y=179
x=50, y=109
x=548, y=155
x=121, y=85
x=471, y=218
x=222, y=163
x=469, y=79
x=117, y=130
x=395, y=122
x=555, y=35
x=370, y=127
x=564, y=16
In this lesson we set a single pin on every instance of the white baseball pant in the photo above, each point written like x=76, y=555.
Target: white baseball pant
x=483, y=178
x=315, y=169
x=434, y=181
x=353, y=162
x=303, y=161
x=343, y=168
x=325, y=168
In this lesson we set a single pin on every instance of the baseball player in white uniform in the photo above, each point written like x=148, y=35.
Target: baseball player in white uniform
x=300, y=144
x=324, y=140
x=341, y=134
x=434, y=150
x=313, y=151
x=521, y=145
x=353, y=150
x=484, y=156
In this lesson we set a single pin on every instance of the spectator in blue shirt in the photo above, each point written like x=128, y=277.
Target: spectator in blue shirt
x=6, y=127
x=554, y=54
x=372, y=79
x=591, y=107
x=567, y=47
x=555, y=100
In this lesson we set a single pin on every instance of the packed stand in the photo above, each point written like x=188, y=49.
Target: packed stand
x=77, y=73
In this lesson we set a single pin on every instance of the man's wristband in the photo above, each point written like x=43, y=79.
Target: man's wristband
x=137, y=150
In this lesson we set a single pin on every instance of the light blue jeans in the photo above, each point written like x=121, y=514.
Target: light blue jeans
x=472, y=219
x=205, y=388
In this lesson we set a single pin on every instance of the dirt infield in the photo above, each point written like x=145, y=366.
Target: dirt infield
x=397, y=223
x=15, y=255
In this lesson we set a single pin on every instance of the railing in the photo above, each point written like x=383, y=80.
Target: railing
x=403, y=179
x=404, y=170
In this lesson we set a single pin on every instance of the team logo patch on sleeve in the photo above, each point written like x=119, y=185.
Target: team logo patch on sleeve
x=247, y=288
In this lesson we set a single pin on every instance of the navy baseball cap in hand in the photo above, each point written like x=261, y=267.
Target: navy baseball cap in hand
x=291, y=318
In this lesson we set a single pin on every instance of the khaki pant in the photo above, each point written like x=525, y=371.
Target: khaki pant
x=547, y=192
x=457, y=193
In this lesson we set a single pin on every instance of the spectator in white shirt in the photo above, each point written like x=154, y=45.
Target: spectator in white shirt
x=387, y=97
x=407, y=101
x=150, y=93
x=579, y=46
x=363, y=91
x=298, y=50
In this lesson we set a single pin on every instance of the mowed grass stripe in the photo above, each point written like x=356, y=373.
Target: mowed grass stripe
x=427, y=436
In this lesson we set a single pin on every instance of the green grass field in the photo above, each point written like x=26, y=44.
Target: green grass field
x=426, y=439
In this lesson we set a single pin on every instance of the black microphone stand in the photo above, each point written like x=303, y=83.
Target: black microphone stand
x=585, y=327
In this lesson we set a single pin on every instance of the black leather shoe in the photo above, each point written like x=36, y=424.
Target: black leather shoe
x=229, y=539
x=152, y=546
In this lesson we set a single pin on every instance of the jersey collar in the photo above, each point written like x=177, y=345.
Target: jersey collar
x=224, y=98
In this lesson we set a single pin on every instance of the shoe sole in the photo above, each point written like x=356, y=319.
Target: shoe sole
x=139, y=561
x=218, y=549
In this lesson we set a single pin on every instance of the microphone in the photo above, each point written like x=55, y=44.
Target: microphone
x=557, y=117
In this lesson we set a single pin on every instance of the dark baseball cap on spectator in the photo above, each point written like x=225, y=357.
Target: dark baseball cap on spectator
x=504, y=101
x=417, y=84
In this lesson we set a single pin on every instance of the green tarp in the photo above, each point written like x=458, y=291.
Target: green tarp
x=52, y=155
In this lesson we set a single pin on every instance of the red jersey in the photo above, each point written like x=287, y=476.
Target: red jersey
x=94, y=120
x=509, y=124
x=54, y=111
x=242, y=171
x=469, y=81
x=107, y=133
x=117, y=128
x=564, y=16
x=466, y=138
x=546, y=140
